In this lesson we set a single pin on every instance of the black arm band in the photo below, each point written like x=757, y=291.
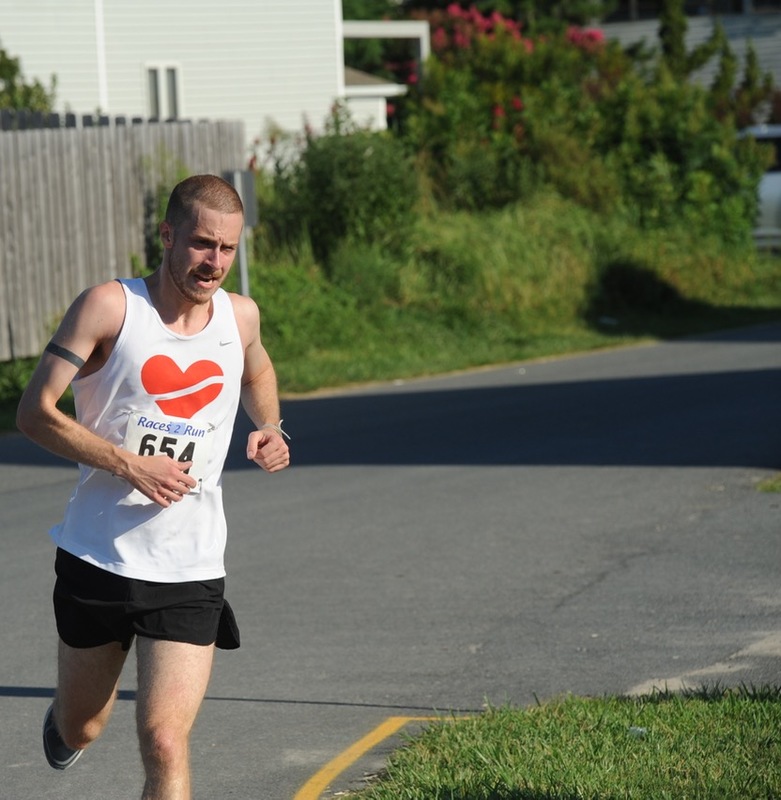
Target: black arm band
x=62, y=352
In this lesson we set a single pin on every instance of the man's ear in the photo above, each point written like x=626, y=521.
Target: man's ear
x=166, y=234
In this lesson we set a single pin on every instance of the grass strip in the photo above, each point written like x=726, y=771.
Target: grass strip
x=710, y=743
x=772, y=484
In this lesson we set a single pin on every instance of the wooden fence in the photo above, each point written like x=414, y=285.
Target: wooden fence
x=77, y=206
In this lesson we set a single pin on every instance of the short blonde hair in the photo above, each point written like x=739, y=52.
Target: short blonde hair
x=205, y=190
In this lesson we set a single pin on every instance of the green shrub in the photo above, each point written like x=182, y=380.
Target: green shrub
x=16, y=92
x=14, y=377
x=369, y=273
x=479, y=176
x=301, y=309
x=498, y=113
x=525, y=263
x=346, y=184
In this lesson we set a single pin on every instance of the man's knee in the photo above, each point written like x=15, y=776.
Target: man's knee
x=163, y=745
x=86, y=691
x=75, y=731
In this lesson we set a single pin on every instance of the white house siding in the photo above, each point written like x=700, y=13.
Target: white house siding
x=369, y=112
x=266, y=62
x=55, y=37
x=762, y=30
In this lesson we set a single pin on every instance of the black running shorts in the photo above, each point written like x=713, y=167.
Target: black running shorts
x=93, y=607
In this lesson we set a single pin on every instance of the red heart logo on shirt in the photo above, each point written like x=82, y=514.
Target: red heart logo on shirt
x=161, y=375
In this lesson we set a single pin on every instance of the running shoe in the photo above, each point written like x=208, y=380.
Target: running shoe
x=57, y=753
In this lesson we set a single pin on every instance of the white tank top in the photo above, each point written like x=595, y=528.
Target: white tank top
x=158, y=392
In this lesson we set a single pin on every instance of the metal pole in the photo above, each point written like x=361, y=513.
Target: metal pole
x=243, y=269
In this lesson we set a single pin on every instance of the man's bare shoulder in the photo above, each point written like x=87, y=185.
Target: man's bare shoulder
x=246, y=312
x=243, y=305
x=101, y=294
x=100, y=308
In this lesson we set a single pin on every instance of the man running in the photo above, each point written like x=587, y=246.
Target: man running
x=157, y=366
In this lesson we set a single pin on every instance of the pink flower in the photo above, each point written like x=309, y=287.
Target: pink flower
x=517, y=103
x=480, y=22
x=455, y=10
x=594, y=35
x=589, y=39
x=412, y=78
x=461, y=40
x=499, y=115
x=439, y=39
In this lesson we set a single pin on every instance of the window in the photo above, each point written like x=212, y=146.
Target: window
x=163, y=92
x=171, y=82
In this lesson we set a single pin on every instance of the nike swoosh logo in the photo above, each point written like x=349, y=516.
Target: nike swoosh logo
x=222, y=344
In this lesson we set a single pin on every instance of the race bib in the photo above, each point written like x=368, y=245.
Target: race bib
x=180, y=439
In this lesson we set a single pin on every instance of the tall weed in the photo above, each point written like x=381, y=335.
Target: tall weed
x=525, y=260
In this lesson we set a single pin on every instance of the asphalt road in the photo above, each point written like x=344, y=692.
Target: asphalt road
x=588, y=524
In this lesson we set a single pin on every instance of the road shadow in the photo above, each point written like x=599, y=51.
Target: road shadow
x=130, y=695
x=724, y=419
x=717, y=419
x=630, y=298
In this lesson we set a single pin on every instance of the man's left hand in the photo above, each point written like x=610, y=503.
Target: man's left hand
x=268, y=450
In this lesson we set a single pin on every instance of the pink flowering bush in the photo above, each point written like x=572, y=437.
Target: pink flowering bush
x=457, y=28
x=487, y=91
x=589, y=39
x=499, y=113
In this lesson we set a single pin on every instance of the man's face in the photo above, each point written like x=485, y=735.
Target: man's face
x=201, y=251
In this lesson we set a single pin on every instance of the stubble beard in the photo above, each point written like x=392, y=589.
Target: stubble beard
x=183, y=279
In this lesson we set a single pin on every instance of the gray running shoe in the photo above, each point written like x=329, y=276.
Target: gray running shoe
x=57, y=753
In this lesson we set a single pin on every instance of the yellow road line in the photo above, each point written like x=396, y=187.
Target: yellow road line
x=319, y=782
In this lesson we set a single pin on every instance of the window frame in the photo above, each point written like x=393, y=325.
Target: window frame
x=164, y=72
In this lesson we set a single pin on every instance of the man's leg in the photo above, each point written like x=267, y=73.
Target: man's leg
x=86, y=689
x=172, y=681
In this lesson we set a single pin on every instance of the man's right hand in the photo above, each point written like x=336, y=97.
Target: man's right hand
x=160, y=478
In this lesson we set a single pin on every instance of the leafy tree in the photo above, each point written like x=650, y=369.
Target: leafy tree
x=537, y=16
x=16, y=93
x=368, y=9
x=672, y=33
x=754, y=95
x=542, y=17
x=751, y=101
x=500, y=113
x=724, y=82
